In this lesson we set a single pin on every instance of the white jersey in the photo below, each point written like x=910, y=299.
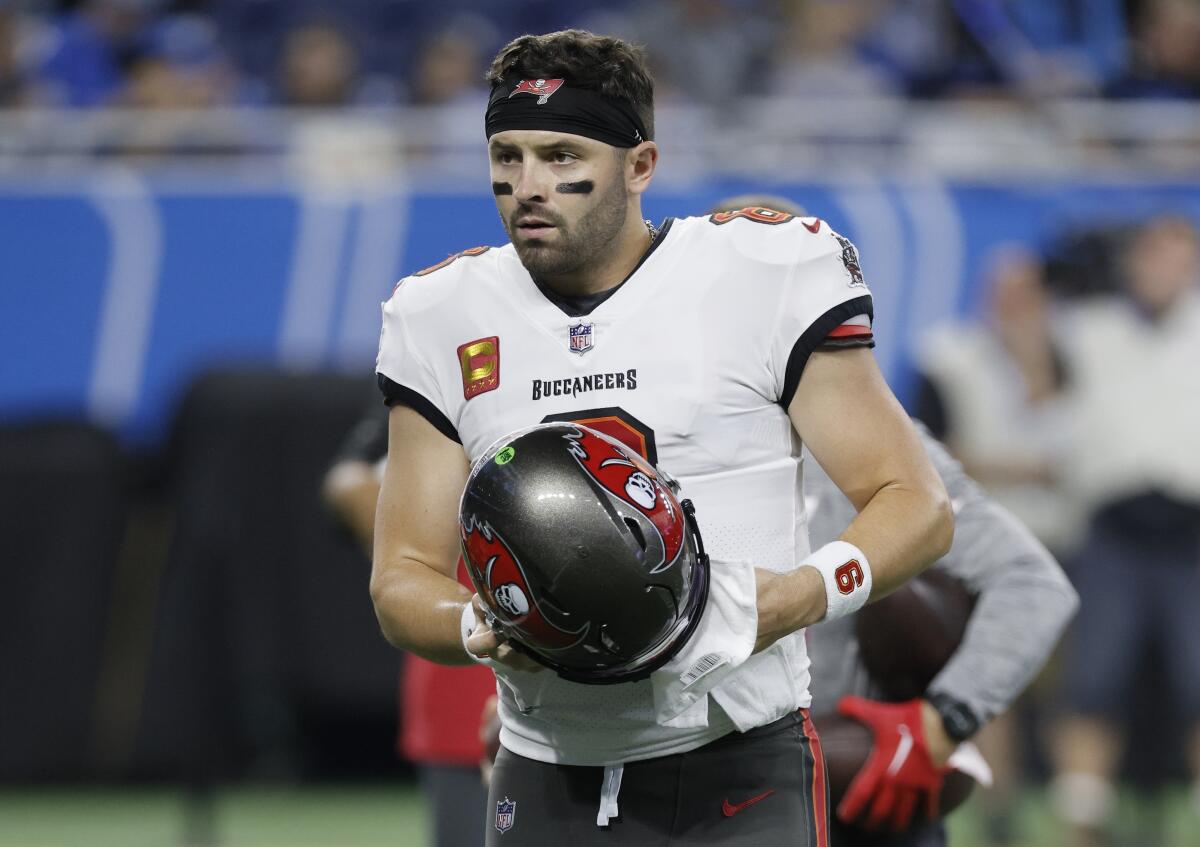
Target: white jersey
x=693, y=360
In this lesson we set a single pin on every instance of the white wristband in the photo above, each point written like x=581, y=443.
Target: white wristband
x=847, y=576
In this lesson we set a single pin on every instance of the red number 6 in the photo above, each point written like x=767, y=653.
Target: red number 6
x=849, y=576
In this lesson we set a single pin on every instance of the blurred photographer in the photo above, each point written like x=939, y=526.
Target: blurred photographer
x=1134, y=360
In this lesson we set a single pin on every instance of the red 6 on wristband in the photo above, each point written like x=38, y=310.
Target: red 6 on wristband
x=847, y=576
x=899, y=775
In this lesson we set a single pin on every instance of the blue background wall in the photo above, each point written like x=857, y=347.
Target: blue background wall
x=116, y=290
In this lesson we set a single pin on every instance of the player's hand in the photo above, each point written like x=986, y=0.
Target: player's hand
x=485, y=643
x=900, y=776
x=786, y=603
x=940, y=745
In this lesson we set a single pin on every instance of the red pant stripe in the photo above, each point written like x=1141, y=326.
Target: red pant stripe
x=820, y=797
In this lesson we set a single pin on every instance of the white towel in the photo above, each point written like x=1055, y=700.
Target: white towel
x=721, y=643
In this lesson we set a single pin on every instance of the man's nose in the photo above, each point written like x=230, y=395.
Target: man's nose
x=533, y=184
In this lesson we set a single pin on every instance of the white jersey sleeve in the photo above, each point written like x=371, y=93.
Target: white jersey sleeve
x=412, y=334
x=824, y=303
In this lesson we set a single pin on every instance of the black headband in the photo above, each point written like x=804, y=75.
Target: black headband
x=552, y=105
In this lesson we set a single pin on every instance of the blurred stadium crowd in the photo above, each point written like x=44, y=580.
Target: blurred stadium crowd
x=1058, y=398
x=195, y=617
x=202, y=53
x=1024, y=71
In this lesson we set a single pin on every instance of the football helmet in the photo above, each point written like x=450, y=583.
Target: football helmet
x=583, y=556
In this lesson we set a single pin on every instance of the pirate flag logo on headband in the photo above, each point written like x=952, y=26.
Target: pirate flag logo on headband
x=541, y=88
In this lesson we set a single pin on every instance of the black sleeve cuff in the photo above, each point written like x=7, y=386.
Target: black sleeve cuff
x=814, y=337
x=395, y=393
x=867, y=341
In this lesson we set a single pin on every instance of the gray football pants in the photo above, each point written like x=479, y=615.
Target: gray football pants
x=762, y=787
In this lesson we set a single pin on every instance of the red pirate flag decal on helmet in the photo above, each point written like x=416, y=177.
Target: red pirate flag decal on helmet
x=540, y=88
x=633, y=480
x=502, y=584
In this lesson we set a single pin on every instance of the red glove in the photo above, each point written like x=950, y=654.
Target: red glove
x=898, y=774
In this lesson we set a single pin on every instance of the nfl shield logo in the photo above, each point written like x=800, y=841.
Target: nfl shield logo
x=506, y=813
x=581, y=337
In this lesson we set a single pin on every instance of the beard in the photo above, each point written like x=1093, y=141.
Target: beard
x=578, y=246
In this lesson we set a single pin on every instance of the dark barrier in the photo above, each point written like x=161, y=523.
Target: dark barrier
x=63, y=506
x=268, y=661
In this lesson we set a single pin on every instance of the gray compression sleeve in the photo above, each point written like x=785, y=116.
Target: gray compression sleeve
x=1023, y=597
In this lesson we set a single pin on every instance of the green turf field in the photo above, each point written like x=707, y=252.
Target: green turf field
x=392, y=816
x=372, y=816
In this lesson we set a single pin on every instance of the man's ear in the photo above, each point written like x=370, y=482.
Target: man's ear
x=640, y=163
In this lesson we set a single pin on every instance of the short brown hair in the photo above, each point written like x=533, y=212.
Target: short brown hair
x=610, y=66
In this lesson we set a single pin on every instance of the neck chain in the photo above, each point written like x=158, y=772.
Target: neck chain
x=653, y=230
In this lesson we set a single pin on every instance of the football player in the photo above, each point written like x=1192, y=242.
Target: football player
x=1023, y=604
x=714, y=346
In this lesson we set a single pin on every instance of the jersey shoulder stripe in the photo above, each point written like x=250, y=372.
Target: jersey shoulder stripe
x=850, y=330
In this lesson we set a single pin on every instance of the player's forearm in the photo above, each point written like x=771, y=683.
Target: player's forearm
x=420, y=610
x=1012, y=632
x=1024, y=603
x=1004, y=647
x=902, y=529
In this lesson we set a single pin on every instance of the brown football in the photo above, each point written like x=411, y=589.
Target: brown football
x=908, y=636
